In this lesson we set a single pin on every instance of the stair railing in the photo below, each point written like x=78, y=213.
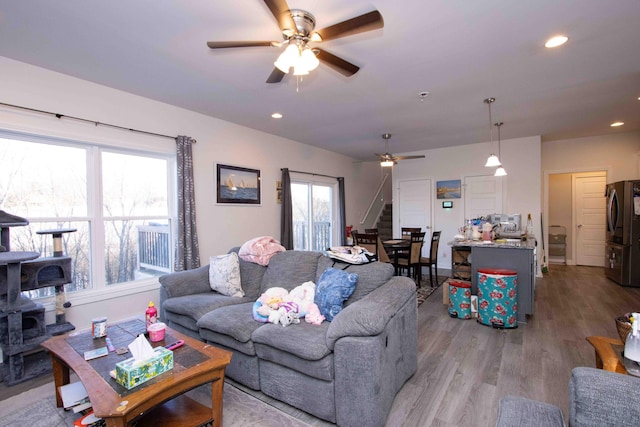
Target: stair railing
x=377, y=204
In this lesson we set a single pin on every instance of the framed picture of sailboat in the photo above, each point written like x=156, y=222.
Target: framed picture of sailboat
x=237, y=185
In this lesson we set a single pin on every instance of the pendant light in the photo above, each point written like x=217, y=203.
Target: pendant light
x=500, y=171
x=493, y=160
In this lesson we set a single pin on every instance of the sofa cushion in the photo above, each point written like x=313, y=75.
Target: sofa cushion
x=332, y=289
x=233, y=320
x=196, y=306
x=224, y=275
x=370, y=276
x=305, y=340
x=321, y=369
x=290, y=269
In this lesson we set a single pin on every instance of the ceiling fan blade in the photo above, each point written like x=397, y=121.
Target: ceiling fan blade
x=275, y=76
x=226, y=45
x=343, y=67
x=367, y=22
x=280, y=10
x=408, y=157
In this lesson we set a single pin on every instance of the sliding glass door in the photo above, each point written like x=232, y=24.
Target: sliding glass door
x=314, y=214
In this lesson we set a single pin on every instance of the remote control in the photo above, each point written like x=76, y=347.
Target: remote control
x=109, y=344
x=175, y=345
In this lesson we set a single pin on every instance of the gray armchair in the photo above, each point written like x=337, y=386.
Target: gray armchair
x=596, y=398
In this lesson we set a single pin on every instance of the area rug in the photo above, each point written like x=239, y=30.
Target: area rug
x=239, y=409
x=425, y=290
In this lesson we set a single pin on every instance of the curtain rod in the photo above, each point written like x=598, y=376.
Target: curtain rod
x=313, y=174
x=59, y=116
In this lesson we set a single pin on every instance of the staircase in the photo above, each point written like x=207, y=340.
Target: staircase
x=385, y=225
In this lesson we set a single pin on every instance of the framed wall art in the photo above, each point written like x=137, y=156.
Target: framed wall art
x=237, y=185
x=449, y=189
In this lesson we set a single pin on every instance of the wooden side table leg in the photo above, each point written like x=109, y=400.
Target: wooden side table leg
x=598, y=360
x=60, y=377
x=217, y=391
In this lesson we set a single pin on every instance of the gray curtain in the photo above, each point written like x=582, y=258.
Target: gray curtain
x=187, y=248
x=342, y=218
x=286, y=220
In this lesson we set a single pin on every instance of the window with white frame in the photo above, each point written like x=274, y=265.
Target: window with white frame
x=117, y=200
x=315, y=207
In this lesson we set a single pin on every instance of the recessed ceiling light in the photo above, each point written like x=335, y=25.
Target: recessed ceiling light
x=556, y=41
x=616, y=124
x=276, y=115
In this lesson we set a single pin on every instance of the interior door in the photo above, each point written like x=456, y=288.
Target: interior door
x=414, y=208
x=482, y=196
x=590, y=215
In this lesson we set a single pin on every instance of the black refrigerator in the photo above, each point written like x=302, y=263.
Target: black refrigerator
x=622, y=250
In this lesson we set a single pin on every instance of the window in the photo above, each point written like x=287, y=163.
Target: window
x=117, y=200
x=314, y=214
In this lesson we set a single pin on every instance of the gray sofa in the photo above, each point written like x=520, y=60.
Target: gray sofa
x=347, y=371
x=596, y=398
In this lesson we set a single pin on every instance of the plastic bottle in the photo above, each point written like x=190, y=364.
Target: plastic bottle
x=151, y=315
x=632, y=346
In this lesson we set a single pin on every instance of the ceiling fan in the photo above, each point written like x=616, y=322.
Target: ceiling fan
x=387, y=160
x=298, y=33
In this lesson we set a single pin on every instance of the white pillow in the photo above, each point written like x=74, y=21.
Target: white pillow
x=224, y=275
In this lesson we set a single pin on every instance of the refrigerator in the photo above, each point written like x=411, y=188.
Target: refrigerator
x=622, y=248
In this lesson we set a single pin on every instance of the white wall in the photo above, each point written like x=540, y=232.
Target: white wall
x=521, y=187
x=219, y=227
x=618, y=154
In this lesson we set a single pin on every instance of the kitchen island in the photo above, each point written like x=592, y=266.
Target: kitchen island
x=468, y=256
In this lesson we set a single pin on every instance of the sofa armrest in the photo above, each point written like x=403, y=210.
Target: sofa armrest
x=523, y=412
x=187, y=282
x=370, y=315
x=598, y=397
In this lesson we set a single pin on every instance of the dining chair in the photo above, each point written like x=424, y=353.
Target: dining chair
x=432, y=260
x=368, y=241
x=412, y=262
x=370, y=230
x=406, y=231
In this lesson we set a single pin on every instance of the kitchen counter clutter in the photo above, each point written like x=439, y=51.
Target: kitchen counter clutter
x=469, y=256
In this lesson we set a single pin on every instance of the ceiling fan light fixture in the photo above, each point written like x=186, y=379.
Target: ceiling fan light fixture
x=288, y=58
x=500, y=172
x=387, y=163
x=309, y=59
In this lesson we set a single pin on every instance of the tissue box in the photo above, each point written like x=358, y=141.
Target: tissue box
x=130, y=373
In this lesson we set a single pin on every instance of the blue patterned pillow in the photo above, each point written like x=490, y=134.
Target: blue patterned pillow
x=224, y=275
x=332, y=289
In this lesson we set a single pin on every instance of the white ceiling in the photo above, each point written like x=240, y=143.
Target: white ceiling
x=460, y=51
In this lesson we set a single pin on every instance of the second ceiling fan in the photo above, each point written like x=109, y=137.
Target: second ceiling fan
x=297, y=28
x=388, y=160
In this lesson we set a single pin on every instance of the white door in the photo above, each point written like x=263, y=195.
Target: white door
x=590, y=205
x=414, y=207
x=482, y=195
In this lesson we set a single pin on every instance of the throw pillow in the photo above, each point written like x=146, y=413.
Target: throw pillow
x=224, y=275
x=333, y=288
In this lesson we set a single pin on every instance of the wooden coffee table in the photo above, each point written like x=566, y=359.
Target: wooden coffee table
x=159, y=401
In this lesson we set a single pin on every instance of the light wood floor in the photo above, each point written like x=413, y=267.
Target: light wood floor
x=464, y=368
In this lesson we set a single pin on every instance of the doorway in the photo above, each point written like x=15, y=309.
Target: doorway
x=576, y=202
x=414, y=208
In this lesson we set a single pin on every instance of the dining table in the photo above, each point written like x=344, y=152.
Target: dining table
x=394, y=248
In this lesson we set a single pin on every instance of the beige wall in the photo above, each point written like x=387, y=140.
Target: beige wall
x=219, y=227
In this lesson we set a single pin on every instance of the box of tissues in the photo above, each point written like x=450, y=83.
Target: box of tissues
x=145, y=365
